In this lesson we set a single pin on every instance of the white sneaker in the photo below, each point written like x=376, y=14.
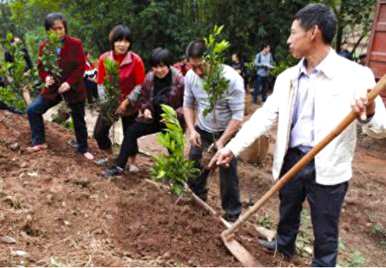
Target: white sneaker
x=133, y=169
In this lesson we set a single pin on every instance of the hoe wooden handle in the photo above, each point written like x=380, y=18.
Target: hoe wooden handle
x=380, y=86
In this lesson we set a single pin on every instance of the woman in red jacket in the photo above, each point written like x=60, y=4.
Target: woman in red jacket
x=131, y=75
x=69, y=86
x=163, y=85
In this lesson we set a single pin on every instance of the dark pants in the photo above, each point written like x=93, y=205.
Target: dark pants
x=35, y=113
x=325, y=204
x=129, y=145
x=92, y=90
x=102, y=129
x=229, y=181
x=260, y=88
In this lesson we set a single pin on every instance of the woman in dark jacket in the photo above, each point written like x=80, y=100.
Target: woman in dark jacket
x=162, y=85
x=69, y=86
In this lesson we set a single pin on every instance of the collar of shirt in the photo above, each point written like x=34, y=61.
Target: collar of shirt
x=325, y=67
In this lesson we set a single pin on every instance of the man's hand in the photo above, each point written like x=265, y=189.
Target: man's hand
x=195, y=138
x=363, y=107
x=222, y=158
x=49, y=81
x=147, y=114
x=122, y=107
x=64, y=87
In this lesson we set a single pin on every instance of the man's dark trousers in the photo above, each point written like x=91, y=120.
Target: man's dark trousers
x=325, y=205
x=229, y=181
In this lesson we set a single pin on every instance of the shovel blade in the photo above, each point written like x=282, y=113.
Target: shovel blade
x=240, y=252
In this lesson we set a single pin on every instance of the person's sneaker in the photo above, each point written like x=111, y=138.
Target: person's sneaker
x=113, y=171
x=73, y=143
x=101, y=161
x=133, y=169
x=270, y=246
x=230, y=217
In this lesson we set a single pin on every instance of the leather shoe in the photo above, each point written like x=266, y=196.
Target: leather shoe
x=230, y=217
x=113, y=171
x=270, y=246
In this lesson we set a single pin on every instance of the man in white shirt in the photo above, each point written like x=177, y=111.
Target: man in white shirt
x=309, y=100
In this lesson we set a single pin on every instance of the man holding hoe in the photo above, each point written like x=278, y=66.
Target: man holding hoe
x=308, y=101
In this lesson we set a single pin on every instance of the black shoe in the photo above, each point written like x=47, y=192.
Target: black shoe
x=113, y=171
x=73, y=144
x=230, y=217
x=270, y=246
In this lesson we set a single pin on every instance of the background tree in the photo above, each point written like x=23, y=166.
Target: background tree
x=173, y=23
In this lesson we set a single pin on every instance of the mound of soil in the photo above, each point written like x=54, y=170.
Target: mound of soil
x=150, y=223
x=60, y=211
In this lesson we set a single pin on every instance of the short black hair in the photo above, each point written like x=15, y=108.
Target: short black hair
x=320, y=15
x=196, y=49
x=118, y=33
x=51, y=18
x=161, y=56
x=264, y=45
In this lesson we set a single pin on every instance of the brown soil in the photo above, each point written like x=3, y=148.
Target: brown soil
x=61, y=211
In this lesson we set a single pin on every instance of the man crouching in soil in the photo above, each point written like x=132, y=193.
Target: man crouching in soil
x=308, y=101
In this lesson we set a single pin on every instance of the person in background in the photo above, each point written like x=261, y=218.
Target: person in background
x=263, y=63
x=362, y=59
x=70, y=87
x=9, y=58
x=308, y=101
x=131, y=77
x=237, y=63
x=344, y=52
x=182, y=66
x=163, y=85
x=90, y=82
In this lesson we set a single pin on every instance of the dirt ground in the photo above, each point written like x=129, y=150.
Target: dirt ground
x=57, y=210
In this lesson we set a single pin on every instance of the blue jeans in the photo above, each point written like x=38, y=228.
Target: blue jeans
x=260, y=88
x=35, y=113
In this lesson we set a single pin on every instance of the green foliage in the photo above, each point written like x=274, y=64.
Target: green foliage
x=215, y=85
x=356, y=259
x=172, y=168
x=8, y=96
x=282, y=66
x=379, y=233
x=15, y=75
x=15, y=70
x=266, y=221
x=50, y=58
x=110, y=102
x=174, y=23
